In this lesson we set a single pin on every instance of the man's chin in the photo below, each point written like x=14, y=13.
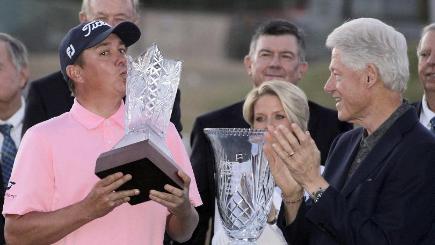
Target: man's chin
x=342, y=117
x=122, y=90
x=429, y=87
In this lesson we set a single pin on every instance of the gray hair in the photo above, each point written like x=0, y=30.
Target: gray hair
x=86, y=4
x=293, y=101
x=426, y=29
x=366, y=41
x=17, y=51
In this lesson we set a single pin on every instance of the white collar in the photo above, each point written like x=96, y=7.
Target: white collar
x=426, y=114
x=16, y=119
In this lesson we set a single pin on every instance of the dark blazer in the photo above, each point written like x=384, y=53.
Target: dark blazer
x=417, y=105
x=50, y=97
x=323, y=126
x=389, y=199
x=430, y=239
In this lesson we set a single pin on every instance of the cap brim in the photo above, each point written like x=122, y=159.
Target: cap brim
x=128, y=32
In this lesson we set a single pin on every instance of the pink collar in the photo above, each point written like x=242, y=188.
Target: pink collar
x=91, y=120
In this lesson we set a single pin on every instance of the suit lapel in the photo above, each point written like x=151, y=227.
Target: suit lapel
x=373, y=160
x=417, y=106
x=312, y=123
x=336, y=173
x=376, y=158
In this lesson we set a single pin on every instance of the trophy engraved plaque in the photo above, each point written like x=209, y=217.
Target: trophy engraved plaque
x=152, y=84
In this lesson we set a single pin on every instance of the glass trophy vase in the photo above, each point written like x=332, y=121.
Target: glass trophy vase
x=244, y=182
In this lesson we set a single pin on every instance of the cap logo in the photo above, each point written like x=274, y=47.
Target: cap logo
x=89, y=27
x=70, y=51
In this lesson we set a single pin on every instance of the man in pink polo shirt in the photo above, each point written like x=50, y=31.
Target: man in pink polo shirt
x=54, y=196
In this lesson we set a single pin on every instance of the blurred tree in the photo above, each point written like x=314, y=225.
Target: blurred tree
x=222, y=5
x=41, y=27
x=423, y=10
x=347, y=9
x=248, y=14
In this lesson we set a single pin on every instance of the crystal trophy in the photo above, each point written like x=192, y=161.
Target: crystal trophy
x=152, y=84
x=244, y=182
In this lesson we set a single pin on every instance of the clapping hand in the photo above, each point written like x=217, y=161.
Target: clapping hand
x=298, y=151
x=279, y=170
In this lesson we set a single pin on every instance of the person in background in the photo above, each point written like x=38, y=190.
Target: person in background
x=277, y=51
x=55, y=196
x=426, y=73
x=272, y=103
x=49, y=96
x=14, y=74
x=379, y=181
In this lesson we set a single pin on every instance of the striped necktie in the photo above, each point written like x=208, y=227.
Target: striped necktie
x=432, y=125
x=8, y=152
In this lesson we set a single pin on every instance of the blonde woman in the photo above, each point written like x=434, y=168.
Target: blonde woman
x=272, y=103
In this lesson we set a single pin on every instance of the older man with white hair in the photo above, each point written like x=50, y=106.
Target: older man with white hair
x=379, y=183
x=426, y=70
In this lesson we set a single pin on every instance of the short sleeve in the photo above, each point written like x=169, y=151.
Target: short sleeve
x=178, y=151
x=31, y=186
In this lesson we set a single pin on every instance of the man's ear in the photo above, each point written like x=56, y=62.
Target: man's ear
x=135, y=18
x=24, y=76
x=303, y=68
x=373, y=75
x=74, y=73
x=83, y=17
x=247, y=61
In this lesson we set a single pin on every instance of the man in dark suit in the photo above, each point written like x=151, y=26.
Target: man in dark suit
x=426, y=107
x=426, y=72
x=379, y=183
x=50, y=96
x=277, y=51
x=14, y=74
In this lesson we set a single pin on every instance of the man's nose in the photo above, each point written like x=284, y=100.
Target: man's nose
x=112, y=22
x=328, y=88
x=121, y=59
x=276, y=61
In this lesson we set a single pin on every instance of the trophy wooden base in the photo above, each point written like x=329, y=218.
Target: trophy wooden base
x=150, y=168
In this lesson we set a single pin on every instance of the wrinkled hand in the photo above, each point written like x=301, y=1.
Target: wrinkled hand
x=279, y=170
x=103, y=198
x=298, y=151
x=176, y=200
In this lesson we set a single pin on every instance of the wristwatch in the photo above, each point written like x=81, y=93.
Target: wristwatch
x=317, y=195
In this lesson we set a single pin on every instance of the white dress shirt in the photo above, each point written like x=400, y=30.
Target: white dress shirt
x=16, y=121
x=426, y=114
